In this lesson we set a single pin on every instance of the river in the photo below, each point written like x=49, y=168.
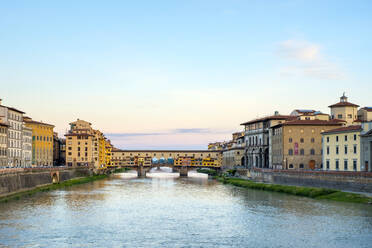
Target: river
x=179, y=212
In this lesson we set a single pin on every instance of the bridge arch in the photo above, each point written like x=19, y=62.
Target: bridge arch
x=55, y=176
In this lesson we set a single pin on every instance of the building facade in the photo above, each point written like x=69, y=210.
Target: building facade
x=297, y=144
x=79, y=144
x=342, y=149
x=14, y=118
x=366, y=146
x=345, y=111
x=257, y=139
x=27, y=146
x=365, y=114
x=3, y=144
x=59, y=155
x=86, y=146
x=42, y=142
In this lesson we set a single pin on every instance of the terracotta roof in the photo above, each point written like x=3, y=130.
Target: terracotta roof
x=312, y=123
x=368, y=109
x=345, y=129
x=14, y=109
x=343, y=104
x=78, y=134
x=27, y=120
x=271, y=117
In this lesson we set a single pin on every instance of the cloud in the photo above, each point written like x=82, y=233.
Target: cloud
x=305, y=59
x=192, y=130
x=299, y=50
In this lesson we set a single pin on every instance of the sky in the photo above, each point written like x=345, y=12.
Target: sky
x=181, y=74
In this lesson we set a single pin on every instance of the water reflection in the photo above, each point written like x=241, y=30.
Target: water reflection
x=179, y=212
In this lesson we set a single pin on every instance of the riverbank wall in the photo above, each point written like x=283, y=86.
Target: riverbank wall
x=346, y=181
x=16, y=180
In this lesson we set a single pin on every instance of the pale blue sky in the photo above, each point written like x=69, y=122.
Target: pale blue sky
x=144, y=70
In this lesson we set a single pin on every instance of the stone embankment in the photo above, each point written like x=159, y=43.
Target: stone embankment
x=18, y=180
x=345, y=181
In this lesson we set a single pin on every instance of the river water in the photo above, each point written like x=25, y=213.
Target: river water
x=179, y=212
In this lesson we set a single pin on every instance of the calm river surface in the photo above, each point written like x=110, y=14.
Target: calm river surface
x=174, y=212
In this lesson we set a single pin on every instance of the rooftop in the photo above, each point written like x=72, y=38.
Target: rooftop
x=345, y=129
x=29, y=120
x=266, y=118
x=343, y=103
x=14, y=109
x=369, y=109
x=333, y=122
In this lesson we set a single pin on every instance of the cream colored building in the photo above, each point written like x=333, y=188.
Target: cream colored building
x=342, y=149
x=345, y=111
x=86, y=146
x=79, y=144
x=365, y=114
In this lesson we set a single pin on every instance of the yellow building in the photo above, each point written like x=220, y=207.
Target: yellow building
x=42, y=142
x=108, y=153
x=86, y=146
x=341, y=149
x=100, y=146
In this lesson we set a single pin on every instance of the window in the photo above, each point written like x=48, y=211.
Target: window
x=327, y=164
x=302, y=152
x=301, y=166
x=312, y=152
x=290, y=140
x=350, y=116
x=345, y=164
x=354, y=165
x=290, y=152
x=336, y=149
x=336, y=138
x=339, y=116
x=355, y=136
x=345, y=137
x=302, y=140
x=355, y=149
x=345, y=149
x=312, y=140
x=327, y=150
x=337, y=164
x=290, y=166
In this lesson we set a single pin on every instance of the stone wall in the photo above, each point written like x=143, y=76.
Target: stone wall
x=22, y=179
x=347, y=181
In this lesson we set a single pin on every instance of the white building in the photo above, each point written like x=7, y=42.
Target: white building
x=14, y=118
x=27, y=146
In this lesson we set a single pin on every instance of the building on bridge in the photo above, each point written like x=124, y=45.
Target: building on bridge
x=193, y=157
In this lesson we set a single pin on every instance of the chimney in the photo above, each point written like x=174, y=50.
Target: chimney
x=276, y=113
